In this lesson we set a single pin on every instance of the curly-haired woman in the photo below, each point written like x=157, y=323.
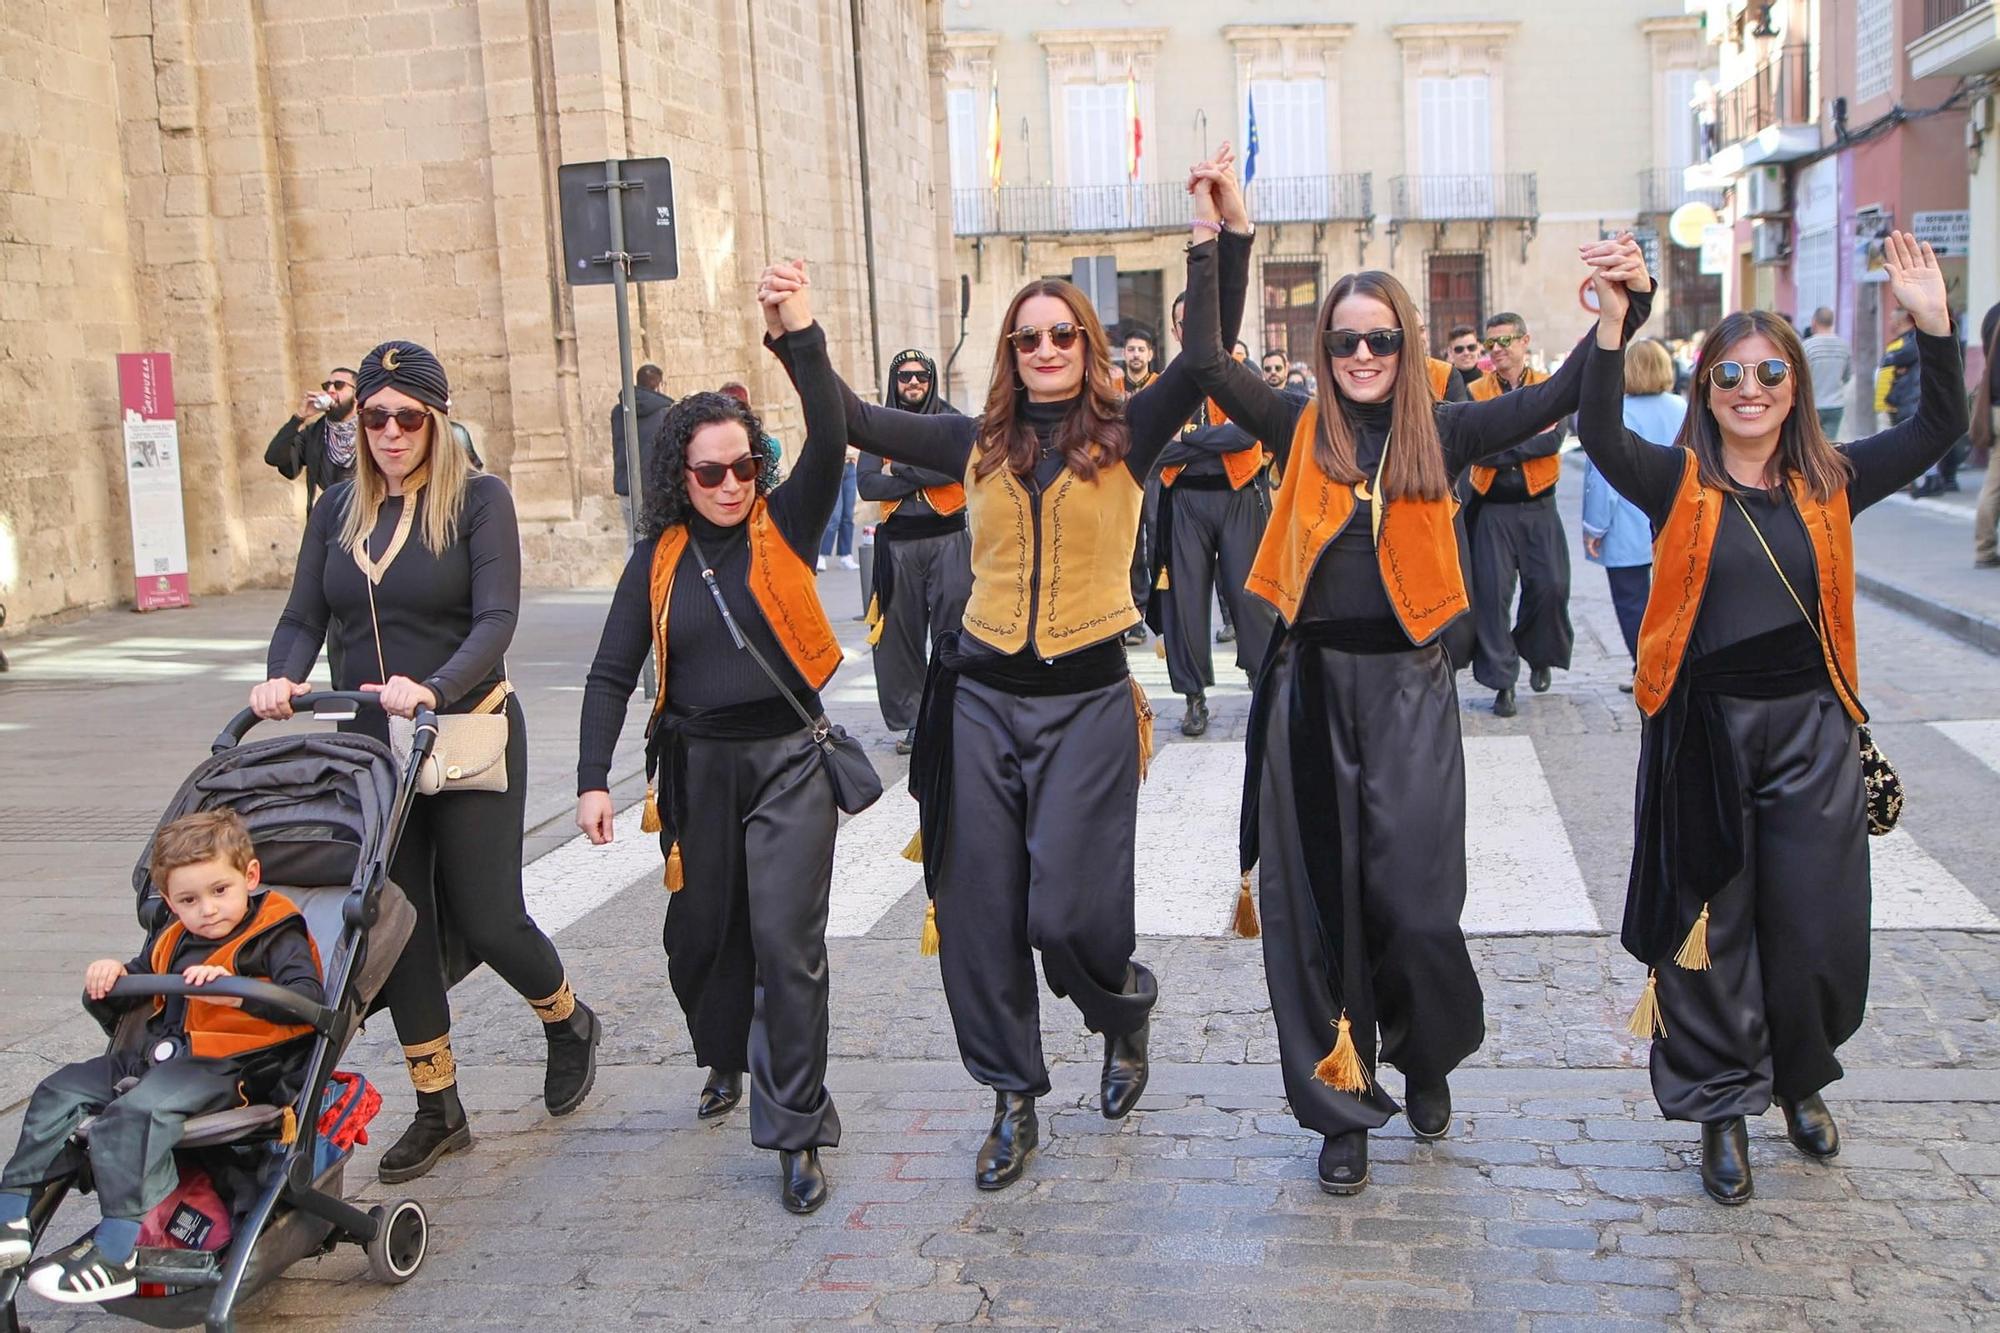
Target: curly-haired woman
x=747, y=815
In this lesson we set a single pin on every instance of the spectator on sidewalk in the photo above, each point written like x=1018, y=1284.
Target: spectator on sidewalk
x=1985, y=546
x=318, y=441
x=650, y=406
x=1832, y=372
x=839, y=535
x=1616, y=533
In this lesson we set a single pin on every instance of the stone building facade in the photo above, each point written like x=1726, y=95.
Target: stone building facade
x=266, y=188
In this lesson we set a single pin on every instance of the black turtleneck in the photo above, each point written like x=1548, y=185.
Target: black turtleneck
x=1347, y=582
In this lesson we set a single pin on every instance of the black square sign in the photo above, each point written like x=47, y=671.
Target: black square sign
x=648, y=212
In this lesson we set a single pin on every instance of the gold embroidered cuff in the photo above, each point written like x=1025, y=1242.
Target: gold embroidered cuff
x=557, y=1007
x=431, y=1066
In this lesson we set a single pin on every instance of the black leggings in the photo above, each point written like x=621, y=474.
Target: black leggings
x=463, y=850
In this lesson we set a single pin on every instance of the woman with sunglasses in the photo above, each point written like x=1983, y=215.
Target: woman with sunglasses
x=744, y=811
x=413, y=567
x=1033, y=735
x=1749, y=890
x=1354, y=790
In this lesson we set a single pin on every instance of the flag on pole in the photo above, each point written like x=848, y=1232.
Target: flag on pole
x=1136, y=145
x=1250, y=145
x=993, y=134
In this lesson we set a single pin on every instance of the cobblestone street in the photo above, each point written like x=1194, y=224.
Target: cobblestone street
x=1560, y=1200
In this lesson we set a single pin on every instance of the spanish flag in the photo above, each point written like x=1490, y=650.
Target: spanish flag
x=1136, y=146
x=993, y=135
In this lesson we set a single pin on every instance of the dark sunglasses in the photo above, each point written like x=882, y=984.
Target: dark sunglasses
x=1342, y=343
x=913, y=377
x=1502, y=342
x=1027, y=339
x=335, y=386
x=410, y=419
x=1466, y=349
x=1728, y=375
x=709, y=475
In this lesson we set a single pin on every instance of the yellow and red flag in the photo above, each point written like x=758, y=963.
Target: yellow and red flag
x=993, y=135
x=1136, y=146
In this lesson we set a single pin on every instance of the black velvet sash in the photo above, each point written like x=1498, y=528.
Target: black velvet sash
x=666, y=744
x=1688, y=841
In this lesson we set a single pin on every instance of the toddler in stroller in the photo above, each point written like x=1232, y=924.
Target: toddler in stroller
x=268, y=872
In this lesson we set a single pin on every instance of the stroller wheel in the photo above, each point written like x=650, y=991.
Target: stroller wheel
x=404, y=1236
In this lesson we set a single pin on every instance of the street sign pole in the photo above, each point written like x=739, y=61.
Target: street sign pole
x=621, y=268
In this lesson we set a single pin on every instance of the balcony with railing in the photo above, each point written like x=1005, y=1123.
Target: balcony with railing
x=1664, y=189
x=1509, y=197
x=1961, y=39
x=1053, y=210
x=1768, y=117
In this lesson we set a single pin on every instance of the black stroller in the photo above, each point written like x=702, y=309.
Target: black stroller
x=325, y=811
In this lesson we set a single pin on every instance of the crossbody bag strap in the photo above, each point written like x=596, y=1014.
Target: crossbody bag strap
x=819, y=728
x=1772, y=557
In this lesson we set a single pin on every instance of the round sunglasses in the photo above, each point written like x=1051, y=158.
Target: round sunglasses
x=708, y=476
x=1343, y=343
x=1027, y=338
x=1729, y=375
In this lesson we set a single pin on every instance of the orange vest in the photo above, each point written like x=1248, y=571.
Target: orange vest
x=221, y=1031
x=781, y=584
x=1417, y=550
x=1681, y=556
x=1541, y=473
x=947, y=499
x=1241, y=467
x=1440, y=376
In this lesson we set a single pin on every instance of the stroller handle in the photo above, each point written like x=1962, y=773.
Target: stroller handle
x=267, y=993
x=326, y=705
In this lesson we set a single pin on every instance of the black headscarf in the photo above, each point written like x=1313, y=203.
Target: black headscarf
x=405, y=366
x=934, y=403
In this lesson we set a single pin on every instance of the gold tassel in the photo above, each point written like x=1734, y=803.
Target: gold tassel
x=675, y=875
x=927, y=943
x=649, y=818
x=1145, y=714
x=1694, y=949
x=1342, y=1069
x=1160, y=649
x=875, y=632
x=874, y=616
x=1246, y=911
x=1646, y=1021
x=914, y=851
x=1164, y=582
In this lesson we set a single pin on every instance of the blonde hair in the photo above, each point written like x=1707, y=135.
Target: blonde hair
x=447, y=473
x=1649, y=368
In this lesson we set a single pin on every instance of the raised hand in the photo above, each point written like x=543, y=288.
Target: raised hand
x=1916, y=281
x=782, y=289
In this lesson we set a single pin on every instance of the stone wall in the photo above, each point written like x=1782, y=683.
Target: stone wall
x=266, y=188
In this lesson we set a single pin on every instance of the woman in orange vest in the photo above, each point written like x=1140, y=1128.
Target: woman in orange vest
x=1354, y=791
x=1033, y=735
x=745, y=813
x=1749, y=888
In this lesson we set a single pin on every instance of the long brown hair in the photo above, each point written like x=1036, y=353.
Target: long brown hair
x=1092, y=436
x=1803, y=449
x=1414, y=463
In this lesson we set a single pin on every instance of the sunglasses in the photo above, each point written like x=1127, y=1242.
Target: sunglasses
x=1027, y=339
x=409, y=419
x=1342, y=343
x=913, y=377
x=1503, y=341
x=335, y=386
x=1728, y=375
x=709, y=475
x=1466, y=349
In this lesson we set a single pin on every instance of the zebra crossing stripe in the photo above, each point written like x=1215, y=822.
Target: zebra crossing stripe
x=1521, y=872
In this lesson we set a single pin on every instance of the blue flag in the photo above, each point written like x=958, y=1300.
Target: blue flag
x=1250, y=148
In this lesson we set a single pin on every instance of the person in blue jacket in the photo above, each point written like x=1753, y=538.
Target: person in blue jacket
x=1616, y=532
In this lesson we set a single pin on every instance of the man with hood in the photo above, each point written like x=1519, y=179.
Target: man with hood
x=923, y=553
x=651, y=406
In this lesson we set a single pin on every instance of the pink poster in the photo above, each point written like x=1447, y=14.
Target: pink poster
x=153, y=480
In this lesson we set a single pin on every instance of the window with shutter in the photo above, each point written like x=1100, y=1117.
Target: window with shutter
x=1455, y=146
x=1292, y=183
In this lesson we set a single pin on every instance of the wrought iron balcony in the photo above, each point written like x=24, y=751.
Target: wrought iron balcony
x=1052, y=210
x=1510, y=197
x=1776, y=95
x=1663, y=189
x=1937, y=13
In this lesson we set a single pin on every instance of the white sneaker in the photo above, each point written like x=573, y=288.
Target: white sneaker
x=822, y=564
x=849, y=562
x=17, y=1244
x=84, y=1280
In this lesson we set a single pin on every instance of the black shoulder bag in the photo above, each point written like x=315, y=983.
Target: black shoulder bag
x=856, y=785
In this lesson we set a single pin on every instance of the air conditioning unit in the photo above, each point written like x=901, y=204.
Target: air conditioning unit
x=1770, y=242
x=1762, y=192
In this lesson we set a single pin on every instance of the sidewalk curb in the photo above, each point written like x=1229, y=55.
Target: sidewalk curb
x=1978, y=631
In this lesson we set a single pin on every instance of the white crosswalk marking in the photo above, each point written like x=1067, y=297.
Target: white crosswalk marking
x=869, y=873
x=1522, y=876
x=576, y=878
x=1185, y=862
x=1913, y=892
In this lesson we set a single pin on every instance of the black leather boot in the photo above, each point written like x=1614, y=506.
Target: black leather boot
x=804, y=1185
x=720, y=1093
x=1725, y=1161
x=1343, y=1162
x=1503, y=703
x=1539, y=679
x=439, y=1129
x=1195, y=721
x=1428, y=1109
x=1125, y=1071
x=572, y=1067
x=1809, y=1125
x=1015, y=1132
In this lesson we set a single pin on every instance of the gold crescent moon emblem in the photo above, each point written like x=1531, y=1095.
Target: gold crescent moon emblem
x=389, y=358
x=1361, y=491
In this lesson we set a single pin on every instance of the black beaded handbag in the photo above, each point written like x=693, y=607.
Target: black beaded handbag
x=1879, y=779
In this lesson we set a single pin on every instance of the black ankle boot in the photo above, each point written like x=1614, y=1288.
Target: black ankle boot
x=1428, y=1109
x=439, y=1128
x=720, y=1093
x=1015, y=1132
x=1503, y=703
x=1725, y=1161
x=572, y=1066
x=1809, y=1125
x=1343, y=1162
x=1195, y=721
x=1125, y=1071
x=803, y=1184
